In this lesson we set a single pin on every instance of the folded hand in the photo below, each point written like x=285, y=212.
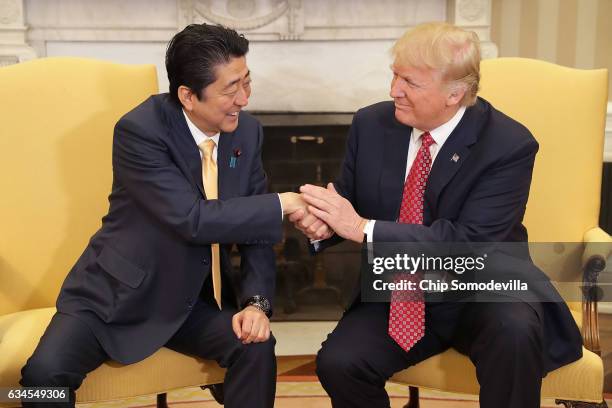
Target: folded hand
x=251, y=325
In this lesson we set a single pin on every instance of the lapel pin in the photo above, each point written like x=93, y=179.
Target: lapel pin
x=233, y=159
x=455, y=158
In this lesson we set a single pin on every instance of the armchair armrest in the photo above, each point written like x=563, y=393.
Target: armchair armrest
x=597, y=249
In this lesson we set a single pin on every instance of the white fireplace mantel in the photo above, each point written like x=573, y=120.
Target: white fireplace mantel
x=13, y=44
x=306, y=55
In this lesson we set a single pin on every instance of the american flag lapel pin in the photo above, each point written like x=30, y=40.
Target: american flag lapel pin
x=455, y=158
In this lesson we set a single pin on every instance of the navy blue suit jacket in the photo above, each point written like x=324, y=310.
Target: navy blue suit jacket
x=477, y=191
x=141, y=273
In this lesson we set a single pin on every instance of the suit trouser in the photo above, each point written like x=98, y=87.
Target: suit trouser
x=68, y=350
x=503, y=340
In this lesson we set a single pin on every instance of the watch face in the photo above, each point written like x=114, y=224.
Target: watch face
x=261, y=303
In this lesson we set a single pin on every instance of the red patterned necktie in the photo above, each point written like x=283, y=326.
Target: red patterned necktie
x=407, y=310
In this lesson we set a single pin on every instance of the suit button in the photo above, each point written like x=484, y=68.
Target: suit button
x=189, y=304
x=205, y=261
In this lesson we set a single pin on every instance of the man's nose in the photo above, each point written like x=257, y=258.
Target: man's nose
x=242, y=98
x=396, y=91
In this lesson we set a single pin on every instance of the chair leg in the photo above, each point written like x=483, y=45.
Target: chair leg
x=217, y=391
x=162, y=400
x=580, y=404
x=413, y=402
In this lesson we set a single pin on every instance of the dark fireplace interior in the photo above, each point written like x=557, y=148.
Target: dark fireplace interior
x=299, y=149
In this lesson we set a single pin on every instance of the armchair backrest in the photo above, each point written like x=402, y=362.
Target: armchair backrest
x=565, y=109
x=57, y=120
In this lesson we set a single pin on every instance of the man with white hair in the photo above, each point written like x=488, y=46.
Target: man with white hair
x=437, y=164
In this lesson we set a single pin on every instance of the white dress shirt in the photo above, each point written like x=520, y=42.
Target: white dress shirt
x=200, y=137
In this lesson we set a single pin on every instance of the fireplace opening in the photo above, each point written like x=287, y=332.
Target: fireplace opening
x=299, y=149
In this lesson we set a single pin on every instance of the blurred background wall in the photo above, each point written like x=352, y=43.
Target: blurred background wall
x=574, y=33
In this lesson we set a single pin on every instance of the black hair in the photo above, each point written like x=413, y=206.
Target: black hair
x=194, y=53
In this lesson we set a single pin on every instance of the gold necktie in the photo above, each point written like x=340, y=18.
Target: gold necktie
x=209, y=179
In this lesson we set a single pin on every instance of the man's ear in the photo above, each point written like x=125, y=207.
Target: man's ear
x=456, y=92
x=186, y=96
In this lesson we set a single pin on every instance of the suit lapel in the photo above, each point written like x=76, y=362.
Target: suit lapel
x=191, y=163
x=395, y=156
x=453, y=154
x=229, y=173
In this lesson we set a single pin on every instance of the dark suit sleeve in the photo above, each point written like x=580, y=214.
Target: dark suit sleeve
x=345, y=184
x=143, y=166
x=490, y=211
x=258, y=262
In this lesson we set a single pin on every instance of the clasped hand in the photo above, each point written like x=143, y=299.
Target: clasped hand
x=320, y=212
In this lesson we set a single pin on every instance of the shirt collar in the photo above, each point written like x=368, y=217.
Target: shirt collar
x=197, y=134
x=442, y=132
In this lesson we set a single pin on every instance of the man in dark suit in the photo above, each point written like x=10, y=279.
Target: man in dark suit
x=437, y=164
x=188, y=185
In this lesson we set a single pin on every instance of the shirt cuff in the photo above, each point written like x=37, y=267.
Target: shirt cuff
x=368, y=229
x=281, y=206
x=316, y=244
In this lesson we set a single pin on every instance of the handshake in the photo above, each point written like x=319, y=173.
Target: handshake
x=320, y=212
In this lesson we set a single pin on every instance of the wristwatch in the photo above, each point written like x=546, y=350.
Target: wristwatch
x=259, y=302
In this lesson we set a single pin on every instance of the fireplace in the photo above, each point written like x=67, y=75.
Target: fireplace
x=298, y=149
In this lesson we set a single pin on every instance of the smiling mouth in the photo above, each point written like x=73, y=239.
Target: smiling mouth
x=233, y=114
x=402, y=107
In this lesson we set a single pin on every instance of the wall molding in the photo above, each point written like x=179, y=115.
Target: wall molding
x=13, y=45
x=280, y=20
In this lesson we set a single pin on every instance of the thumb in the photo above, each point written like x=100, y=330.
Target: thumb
x=237, y=324
x=330, y=187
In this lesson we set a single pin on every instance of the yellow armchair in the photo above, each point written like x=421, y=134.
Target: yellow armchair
x=57, y=121
x=565, y=110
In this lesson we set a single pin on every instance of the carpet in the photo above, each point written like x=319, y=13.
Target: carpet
x=300, y=394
